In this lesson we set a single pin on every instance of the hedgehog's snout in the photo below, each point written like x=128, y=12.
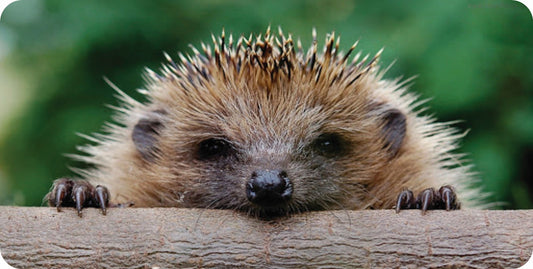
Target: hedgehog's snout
x=269, y=188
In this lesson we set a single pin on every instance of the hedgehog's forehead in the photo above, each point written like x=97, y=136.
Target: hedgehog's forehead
x=250, y=102
x=257, y=98
x=252, y=113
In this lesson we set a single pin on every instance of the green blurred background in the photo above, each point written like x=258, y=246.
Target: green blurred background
x=473, y=58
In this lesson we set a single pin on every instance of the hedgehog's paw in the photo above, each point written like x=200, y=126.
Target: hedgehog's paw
x=79, y=194
x=429, y=199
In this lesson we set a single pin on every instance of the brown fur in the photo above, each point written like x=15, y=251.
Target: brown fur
x=271, y=99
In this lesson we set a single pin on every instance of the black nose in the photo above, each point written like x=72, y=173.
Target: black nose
x=269, y=188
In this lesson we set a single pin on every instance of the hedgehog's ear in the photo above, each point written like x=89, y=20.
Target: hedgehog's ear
x=394, y=129
x=146, y=133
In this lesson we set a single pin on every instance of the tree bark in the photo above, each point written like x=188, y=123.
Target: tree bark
x=37, y=237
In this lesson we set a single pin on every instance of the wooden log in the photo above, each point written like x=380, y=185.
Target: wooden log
x=40, y=237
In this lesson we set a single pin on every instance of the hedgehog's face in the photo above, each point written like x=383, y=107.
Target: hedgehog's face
x=268, y=159
x=272, y=177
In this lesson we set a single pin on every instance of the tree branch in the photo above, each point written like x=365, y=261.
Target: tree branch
x=33, y=237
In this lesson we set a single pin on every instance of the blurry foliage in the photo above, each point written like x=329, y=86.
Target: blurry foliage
x=473, y=58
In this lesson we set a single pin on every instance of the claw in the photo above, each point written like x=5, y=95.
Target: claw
x=102, y=198
x=404, y=200
x=61, y=192
x=79, y=197
x=448, y=198
x=426, y=199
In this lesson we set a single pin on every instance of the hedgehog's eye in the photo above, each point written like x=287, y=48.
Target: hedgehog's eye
x=329, y=144
x=214, y=148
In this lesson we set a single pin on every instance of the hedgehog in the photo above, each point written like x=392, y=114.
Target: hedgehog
x=264, y=127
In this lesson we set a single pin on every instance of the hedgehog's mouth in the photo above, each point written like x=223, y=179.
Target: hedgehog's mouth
x=286, y=209
x=271, y=212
